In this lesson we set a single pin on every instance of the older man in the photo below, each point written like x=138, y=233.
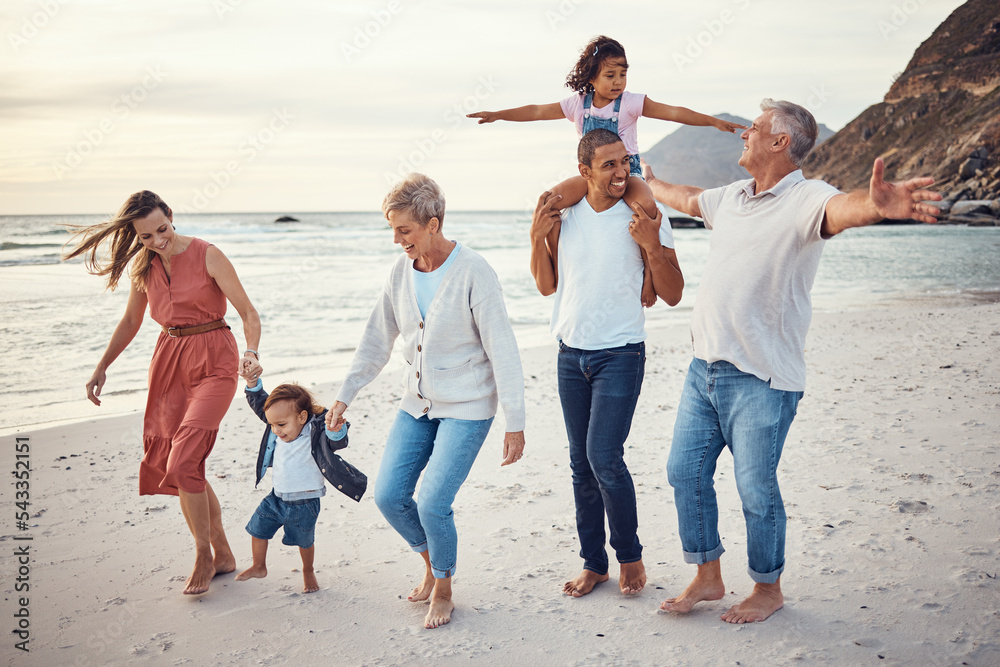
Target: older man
x=749, y=327
x=589, y=257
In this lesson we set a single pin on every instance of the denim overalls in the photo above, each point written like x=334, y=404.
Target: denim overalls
x=592, y=123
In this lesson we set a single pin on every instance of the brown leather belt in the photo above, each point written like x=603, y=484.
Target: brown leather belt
x=178, y=332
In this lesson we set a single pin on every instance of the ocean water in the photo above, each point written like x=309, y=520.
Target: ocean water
x=315, y=281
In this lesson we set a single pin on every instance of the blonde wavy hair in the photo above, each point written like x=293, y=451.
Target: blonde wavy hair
x=124, y=242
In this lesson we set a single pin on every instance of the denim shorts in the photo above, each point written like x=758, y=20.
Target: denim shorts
x=297, y=516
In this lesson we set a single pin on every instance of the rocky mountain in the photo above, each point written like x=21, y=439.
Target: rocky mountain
x=941, y=117
x=703, y=156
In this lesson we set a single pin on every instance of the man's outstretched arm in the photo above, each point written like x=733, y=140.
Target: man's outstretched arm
x=896, y=201
x=683, y=198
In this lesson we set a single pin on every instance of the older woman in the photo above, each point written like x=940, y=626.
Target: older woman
x=445, y=302
x=192, y=376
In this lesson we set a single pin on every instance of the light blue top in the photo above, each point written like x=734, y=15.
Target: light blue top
x=425, y=284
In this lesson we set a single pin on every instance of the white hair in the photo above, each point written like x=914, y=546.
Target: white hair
x=417, y=195
x=796, y=122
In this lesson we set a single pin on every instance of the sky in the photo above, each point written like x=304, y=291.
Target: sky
x=247, y=105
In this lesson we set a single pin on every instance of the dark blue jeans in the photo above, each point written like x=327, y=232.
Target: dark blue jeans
x=598, y=390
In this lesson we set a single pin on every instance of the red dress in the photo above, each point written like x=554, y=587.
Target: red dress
x=192, y=380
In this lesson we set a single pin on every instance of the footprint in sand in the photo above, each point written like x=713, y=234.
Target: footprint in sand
x=910, y=506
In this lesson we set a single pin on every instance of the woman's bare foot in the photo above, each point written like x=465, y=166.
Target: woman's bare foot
x=423, y=590
x=200, y=578
x=441, y=605
x=309, y=579
x=224, y=563
x=252, y=572
x=707, y=585
x=440, y=612
x=584, y=583
x=762, y=602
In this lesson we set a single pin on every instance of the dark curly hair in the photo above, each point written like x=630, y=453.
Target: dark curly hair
x=588, y=66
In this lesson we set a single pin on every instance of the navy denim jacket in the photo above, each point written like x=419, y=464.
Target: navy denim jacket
x=345, y=478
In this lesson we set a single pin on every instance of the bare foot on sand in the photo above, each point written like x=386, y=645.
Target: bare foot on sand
x=309, y=579
x=224, y=563
x=440, y=612
x=252, y=572
x=707, y=585
x=422, y=591
x=202, y=575
x=764, y=601
x=584, y=583
x=632, y=578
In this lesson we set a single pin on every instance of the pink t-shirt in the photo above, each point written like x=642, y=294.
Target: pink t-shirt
x=628, y=115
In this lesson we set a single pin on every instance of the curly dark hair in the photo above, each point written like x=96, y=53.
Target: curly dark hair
x=588, y=66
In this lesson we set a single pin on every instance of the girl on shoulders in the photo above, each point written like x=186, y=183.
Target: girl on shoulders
x=601, y=101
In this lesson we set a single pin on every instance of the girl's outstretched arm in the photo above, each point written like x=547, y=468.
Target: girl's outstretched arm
x=521, y=114
x=651, y=109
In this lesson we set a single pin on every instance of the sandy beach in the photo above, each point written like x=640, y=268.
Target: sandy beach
x=891, y=478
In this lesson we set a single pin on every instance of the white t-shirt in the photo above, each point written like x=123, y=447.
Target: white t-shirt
x=294, y=468
x=753, y=307
x=600, y=278
x=628, y=116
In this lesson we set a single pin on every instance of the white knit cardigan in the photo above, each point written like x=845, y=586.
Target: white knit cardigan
x=461, y=360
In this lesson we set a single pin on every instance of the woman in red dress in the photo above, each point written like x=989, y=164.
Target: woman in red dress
x=192, y=376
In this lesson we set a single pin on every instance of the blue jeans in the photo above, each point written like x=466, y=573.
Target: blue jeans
x=297, y=516
x=446, y=448
x=598, y=390
x=721, y=406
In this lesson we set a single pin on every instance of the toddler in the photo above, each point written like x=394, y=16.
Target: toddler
x=300, y=450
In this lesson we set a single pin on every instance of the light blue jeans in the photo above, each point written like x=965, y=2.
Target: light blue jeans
x=720, y=407
x=444, y=450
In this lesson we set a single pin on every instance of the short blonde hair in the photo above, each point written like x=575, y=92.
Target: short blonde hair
x=417, y=195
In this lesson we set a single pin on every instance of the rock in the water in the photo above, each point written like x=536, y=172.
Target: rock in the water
x=286, y=218
x=971, y=207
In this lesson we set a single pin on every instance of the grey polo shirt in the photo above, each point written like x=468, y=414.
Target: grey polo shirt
x=753, y=307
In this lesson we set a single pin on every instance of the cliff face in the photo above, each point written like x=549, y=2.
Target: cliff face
x=941, y=117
